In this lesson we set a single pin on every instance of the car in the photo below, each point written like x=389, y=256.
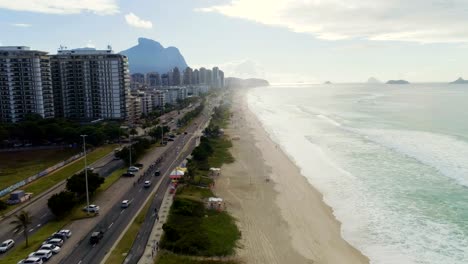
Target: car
x=96, y=237
x=92, y=208
x=54, y=241
x=138, y=165
x=157, y=172
x=185, y=133
x=125, y=203
x=66, y=232
x=33, y=260
x=59, y=235
x=129, y=174
x=133, y=169
x=6, y=245
x=170, y=139
x=44, y=254
x=147, y=184
x=55, y=249
x=172, y=136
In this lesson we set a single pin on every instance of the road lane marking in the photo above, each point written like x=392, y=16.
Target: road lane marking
x=140, y=190
x=44, y=215
x=32, y=229
x=110, y=225
x=122, y=211
x=38, y=225
x=80, y=262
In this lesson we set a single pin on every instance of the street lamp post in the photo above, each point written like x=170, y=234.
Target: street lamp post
x=86, y=172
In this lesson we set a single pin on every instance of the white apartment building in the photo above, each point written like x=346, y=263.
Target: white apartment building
x=90, y=84
x=25, y=84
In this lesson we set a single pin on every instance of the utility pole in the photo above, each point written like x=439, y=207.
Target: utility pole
x=86, y=172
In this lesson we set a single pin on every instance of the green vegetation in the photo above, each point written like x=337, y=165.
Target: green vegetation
x=193, y=230
x=191, y=115
x=115, y=176
x=38, y=131
x=119, y=253
x=20, y=251
x=138, y=148
x=21, y=224
x=166, y=257
x=54, y=178
x=19, y=165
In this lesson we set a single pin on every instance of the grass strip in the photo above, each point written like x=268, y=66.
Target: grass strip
x=119, y=253
x=43, y=184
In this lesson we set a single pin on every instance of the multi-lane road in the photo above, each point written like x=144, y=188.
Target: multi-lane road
x=38, y=208
x=117, y=219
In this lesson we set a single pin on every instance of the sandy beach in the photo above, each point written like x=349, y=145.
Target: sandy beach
x=282, y=219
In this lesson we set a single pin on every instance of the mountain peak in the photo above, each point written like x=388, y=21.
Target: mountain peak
x=150, y=56
x=460, y=81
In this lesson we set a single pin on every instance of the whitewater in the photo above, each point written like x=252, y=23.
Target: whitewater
x=391, y=160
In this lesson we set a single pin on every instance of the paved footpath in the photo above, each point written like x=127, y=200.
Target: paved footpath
x=106, y=200
x=156, y=233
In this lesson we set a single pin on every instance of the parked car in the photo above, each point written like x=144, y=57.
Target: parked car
x=125, y=203
x=170, y=139
x=147, y=184
x=92, y=208
x=32, y=260
x=96, y=237
x=66, y=232
x=55, y=249
x=157, y=172
x=6, y=245
x=54, y=241
x=59, y=235
x=45, y=255
x=133, y=169
x=138, y=165
x=129, y=174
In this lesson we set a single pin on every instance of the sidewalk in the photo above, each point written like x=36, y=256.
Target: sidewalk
x=106, y=201
x=152, y=247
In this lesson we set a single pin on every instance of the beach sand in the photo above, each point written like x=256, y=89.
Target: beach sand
x=283, y=220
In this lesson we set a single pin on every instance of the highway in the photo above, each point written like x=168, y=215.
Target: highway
x=38, y=207
x=117, y=219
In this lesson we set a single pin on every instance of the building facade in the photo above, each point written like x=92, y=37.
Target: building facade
x=153, y=79
x=90, y=84
x=25, y=84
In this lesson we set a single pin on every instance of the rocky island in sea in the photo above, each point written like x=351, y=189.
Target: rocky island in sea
x=398, y=82
x=460, y=81
x=373, y=80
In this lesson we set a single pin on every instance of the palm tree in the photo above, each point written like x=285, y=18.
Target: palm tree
x=21, y=223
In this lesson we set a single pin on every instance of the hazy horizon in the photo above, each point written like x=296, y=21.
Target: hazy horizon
x=283, y=41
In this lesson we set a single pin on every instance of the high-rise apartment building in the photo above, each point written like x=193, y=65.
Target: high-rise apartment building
x=202, y=76
x=176, y=78
x=153, y=79
x=188, y=73
x=25, y=84
x=90, y=84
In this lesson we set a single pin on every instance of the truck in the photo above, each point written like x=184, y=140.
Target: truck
x=19, y=196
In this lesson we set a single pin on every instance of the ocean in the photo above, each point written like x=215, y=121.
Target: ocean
x=391, y=160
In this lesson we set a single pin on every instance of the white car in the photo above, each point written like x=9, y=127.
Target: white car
x=66, y=232
x=6, y=245
x=54, y=241
x=92, y=208
x=133, y=169
x=33, y=260
x=54, y=248
x=147, y=184
x=125, y=203
x=45, y=255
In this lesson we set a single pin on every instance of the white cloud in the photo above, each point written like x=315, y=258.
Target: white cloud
x=134, y=21
x=21, y=25
x=424, y=21
x=101, y=7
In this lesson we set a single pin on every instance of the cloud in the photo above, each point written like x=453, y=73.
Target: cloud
x=423, y=21
x=135, y=21
x=101, y=7
x=21, y=25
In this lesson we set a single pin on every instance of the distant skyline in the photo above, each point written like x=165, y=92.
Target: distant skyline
x=280, y=40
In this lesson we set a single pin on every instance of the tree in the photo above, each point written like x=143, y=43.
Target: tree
x=61, y=203
x=77, y=183
x=21, y=223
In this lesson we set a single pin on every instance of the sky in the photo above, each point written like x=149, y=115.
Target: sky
x=283, y=41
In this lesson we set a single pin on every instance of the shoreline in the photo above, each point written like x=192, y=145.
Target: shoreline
x=277, y=224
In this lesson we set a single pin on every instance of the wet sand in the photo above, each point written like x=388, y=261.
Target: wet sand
x=283, y=219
